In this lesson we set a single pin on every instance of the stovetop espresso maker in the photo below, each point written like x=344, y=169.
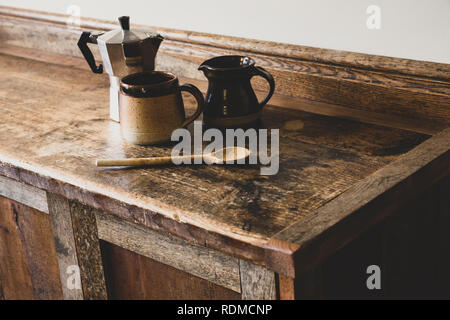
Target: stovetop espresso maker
x=123, y=52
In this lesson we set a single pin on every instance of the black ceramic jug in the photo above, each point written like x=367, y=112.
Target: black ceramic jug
x=230, y=99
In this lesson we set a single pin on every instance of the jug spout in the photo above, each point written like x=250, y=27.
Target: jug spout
x=206, y=69
x=157, y=41
x=202, y=67
x=149, y=48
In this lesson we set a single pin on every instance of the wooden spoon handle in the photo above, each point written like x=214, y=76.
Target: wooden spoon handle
x=133, y=162
x=137, y=162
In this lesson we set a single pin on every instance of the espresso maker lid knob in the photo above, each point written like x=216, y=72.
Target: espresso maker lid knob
x=124, y=22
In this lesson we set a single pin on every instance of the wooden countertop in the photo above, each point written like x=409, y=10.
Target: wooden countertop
x=54, y=124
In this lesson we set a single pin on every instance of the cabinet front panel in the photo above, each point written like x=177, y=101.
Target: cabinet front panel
x=29, y=267
x=132, y=276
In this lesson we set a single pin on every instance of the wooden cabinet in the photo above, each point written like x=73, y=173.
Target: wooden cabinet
x=364, y=161
x=113, y=258
x=410, y=247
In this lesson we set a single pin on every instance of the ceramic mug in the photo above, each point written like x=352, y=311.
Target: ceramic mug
x=151, y=106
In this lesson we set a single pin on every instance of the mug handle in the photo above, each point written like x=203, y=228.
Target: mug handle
x=259, y=71
x=200, y=102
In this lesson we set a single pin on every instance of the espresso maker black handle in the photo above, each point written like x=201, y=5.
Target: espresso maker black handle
x=85, y=38
x=258, y=71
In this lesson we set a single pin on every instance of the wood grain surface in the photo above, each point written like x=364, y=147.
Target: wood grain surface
x=133, y=276
x=29, y=267
x=202, y=262
x=284, y=101
x=337, y=57
x=347, y=121
x=368, y=201
x=410, y=246
x=407, y=89
x=66, y=251
x=257, y=283
x=88, y=251
x=61, y=126
x=25, y=194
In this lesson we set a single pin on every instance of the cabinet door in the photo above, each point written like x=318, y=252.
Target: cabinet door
x=132, y=276
x=29, y=267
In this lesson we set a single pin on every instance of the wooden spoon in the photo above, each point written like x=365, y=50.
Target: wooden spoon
x=220, y=156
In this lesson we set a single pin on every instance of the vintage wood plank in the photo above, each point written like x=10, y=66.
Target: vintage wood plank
x=133, y=276
x=287, y=287
x=409, y=98
x=66, y=252
x=236, y=214
x=28, y=268
x=88, y=251
x=257, y=283
x=408, y=89
x=325, y=182
x=366, y=203
x=327, y=109
x=236, y=232
x=202, y=262
x=188, y=232
x=337, y=57
x=359, y=115
x=23, y=193
x=423, y=98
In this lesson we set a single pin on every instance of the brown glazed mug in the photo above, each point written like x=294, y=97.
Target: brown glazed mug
x=151, y=106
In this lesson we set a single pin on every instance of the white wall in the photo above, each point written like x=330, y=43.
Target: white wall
x=414, y=29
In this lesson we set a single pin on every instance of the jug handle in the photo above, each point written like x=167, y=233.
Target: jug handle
x=86, y=38
x=258, y=71
x=198, y=97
